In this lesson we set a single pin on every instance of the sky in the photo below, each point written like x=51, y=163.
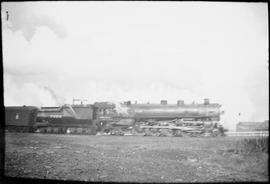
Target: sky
x=143, y=51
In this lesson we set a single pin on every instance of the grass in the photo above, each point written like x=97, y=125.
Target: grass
x=135, y=159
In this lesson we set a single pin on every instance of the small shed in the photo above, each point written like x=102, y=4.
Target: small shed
x=252, y=126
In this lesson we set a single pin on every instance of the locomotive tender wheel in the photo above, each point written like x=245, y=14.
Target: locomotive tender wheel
x=17, y=129
x=49, y=130
x=63, y=130
x=55, y=130
x=88, y=131
x=22, y=129
x=28, y=129
x=79, y=130
x=84, y=131
x=42, y=130
x=72, y=130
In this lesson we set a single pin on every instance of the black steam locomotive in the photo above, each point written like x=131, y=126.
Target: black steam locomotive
x=118, y=119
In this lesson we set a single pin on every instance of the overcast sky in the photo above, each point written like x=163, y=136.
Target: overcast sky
x=144, y=51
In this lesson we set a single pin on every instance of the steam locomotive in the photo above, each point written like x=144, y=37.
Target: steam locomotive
x=119, y=119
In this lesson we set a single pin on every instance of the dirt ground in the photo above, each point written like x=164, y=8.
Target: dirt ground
x=130, y=158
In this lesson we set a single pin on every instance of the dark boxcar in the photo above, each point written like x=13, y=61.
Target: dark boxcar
x=20, y=118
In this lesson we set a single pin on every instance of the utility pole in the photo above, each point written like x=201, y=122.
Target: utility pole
x=7, y=15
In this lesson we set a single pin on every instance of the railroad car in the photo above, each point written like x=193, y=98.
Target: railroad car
x=20, y=118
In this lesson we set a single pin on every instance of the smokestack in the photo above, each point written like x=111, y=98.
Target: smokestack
x=163, y=102
x=180, y=102
x=206, y=101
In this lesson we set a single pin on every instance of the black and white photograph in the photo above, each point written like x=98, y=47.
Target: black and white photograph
x=136, y=91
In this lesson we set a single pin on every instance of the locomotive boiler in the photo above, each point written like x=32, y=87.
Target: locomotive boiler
x=166, y=111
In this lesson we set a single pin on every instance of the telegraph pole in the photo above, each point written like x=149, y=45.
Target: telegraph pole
x=7, y=15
